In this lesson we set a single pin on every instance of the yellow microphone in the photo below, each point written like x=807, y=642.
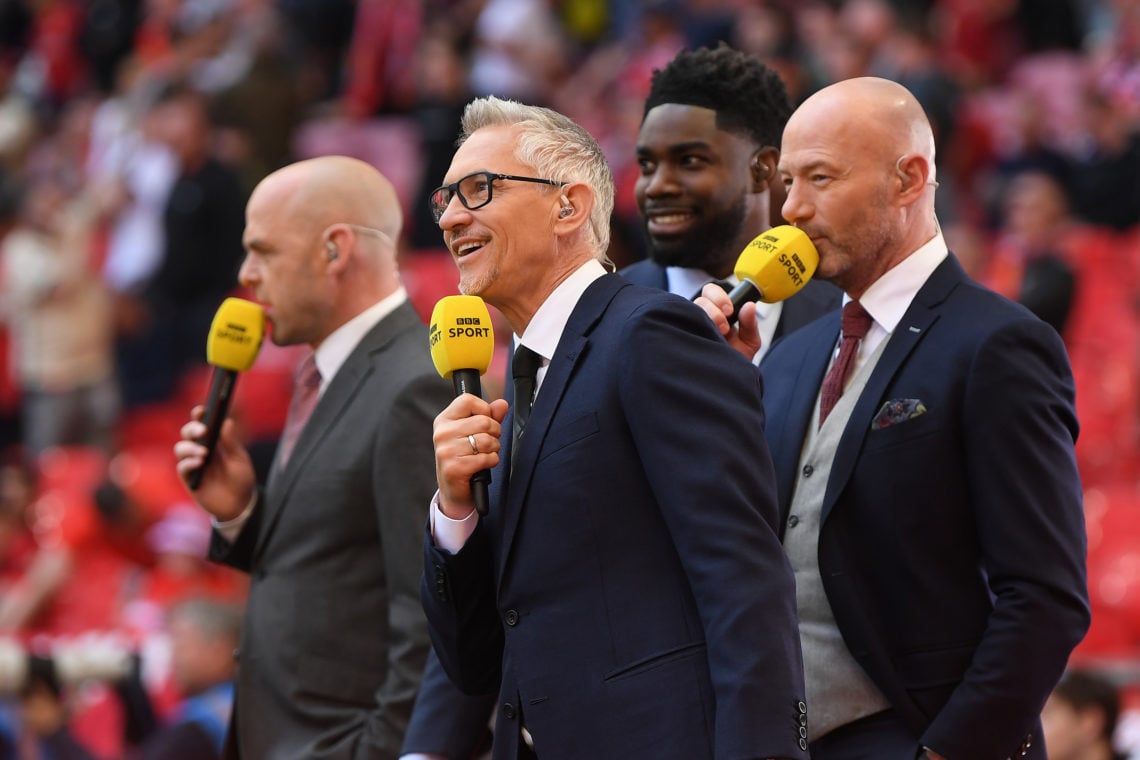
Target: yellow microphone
x=231, y=347
x=774, y=266
x=462, y=343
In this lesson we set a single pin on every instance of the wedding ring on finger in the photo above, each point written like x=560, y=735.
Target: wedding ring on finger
x=474, y=448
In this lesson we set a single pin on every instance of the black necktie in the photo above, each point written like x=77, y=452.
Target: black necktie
x=524, y=370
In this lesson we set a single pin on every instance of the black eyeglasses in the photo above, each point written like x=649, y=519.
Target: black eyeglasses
x=475, y=191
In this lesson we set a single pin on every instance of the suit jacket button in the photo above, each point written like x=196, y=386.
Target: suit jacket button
x=511, y=618
x=803, y=744
x=509, y=711
x=801, y=707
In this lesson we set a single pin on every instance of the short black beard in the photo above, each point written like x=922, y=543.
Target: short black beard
x=707, y=246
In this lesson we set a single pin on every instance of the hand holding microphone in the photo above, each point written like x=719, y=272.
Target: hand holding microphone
x=231, y=347
x=774, y=266
x=462, y=344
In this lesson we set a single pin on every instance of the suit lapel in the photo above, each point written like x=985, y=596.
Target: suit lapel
x=915, y=324
x=798, y=403
x=571, y=348
x=815, y=299
x=332, y=405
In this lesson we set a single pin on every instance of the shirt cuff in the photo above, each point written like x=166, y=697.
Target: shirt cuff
x=230, y=529
x=450, y=535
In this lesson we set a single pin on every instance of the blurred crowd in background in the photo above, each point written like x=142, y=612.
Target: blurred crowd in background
x=131, y=132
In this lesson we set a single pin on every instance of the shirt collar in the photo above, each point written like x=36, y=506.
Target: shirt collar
x=890, y=296
x=334, y=350
x=546, y=326
x=685, y=281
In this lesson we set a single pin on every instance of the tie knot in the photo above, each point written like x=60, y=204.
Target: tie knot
x=856, y=320
x=525, y=363
x=308, y=376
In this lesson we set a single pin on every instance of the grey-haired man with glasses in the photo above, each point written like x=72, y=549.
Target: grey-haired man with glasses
x=625, y=595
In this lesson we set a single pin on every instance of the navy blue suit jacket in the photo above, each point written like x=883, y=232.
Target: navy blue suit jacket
x=627, y=593
x=952, y=544
x=816, y=299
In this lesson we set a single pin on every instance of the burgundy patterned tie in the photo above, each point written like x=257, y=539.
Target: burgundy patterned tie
x=856, y=322
x=306, y=391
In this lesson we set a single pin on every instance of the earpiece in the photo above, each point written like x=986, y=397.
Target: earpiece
x=333, y=252
x=565, y=212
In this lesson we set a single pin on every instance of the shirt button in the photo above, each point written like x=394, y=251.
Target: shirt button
x=808, y=470
x=511, y=618
x=793, y=521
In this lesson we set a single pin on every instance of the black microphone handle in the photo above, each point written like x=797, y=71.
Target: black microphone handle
x=467, y=381
x=743, y=293
x=217, y=406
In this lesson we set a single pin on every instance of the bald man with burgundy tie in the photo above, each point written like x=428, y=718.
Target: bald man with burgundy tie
x=923, y=446
x=335, y=640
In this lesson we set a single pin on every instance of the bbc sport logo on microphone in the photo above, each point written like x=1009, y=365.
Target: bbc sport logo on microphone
x=233, y=332
x=464, y=327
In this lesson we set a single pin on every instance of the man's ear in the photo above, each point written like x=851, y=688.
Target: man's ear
x=574, y=204
x=762, y=166
x=913, y=174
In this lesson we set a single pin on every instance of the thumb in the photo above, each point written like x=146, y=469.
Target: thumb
x=748, y=327
x=499, y=409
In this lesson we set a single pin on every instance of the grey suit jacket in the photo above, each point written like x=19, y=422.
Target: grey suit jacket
x=335, y=640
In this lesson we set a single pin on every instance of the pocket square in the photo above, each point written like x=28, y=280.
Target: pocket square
x=897, y=410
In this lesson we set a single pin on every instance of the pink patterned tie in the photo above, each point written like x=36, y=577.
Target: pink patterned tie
x=306, y=391
x=856, y=323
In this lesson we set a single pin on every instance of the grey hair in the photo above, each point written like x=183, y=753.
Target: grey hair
x=557, y=148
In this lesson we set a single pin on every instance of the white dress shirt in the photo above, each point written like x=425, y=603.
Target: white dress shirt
x=541, y=336
x=330, y=356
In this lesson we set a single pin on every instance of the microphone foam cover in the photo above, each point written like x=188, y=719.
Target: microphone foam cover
x=235, y=335
x=460, y=335
x=779, y=262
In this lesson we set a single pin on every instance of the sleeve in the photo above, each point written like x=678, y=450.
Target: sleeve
x=1019, y=443
x=722, y=518
x=458, y=595
x=238, y=553
x=447, y=722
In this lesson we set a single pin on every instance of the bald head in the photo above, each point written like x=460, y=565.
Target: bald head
x=878, y=114
x=858, y=165
x=321, y=240
x=321, y=191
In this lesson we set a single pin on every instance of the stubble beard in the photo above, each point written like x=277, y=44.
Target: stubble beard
x=708, y=245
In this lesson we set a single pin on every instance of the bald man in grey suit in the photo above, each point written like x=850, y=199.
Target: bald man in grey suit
x=335, y=639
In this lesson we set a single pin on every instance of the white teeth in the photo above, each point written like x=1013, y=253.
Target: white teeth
x=466, y=247
x=671, y=218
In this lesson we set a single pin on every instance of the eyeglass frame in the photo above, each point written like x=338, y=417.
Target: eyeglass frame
x=453, y=189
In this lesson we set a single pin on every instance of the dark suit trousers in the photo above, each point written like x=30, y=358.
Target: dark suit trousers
x=881, y=736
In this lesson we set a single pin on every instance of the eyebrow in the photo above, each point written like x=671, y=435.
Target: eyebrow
x=678, y=147
x=808, y=167
x=465, y=175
